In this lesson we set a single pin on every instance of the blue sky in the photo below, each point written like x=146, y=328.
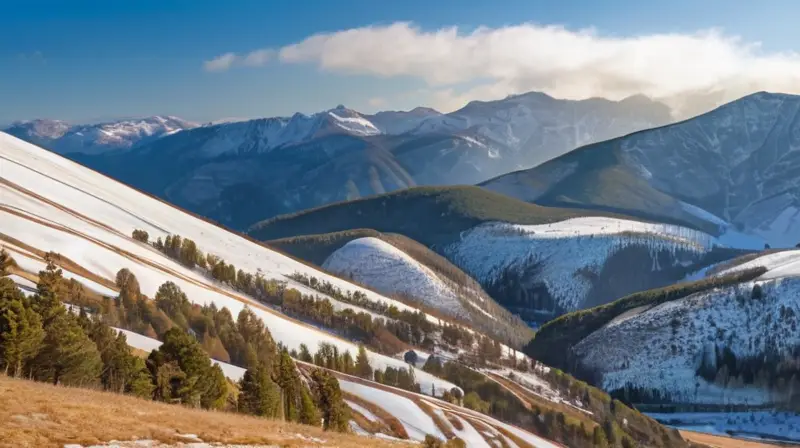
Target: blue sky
x=93, y=60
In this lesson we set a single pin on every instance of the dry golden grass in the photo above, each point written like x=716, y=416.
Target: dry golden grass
x=41, y=415
x=712, y=441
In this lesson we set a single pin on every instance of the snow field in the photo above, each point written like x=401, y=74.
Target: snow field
x=661, y=348
x=363, y=411
x=389, y=270
x=105, y=247
x=778, y=264
x=125, y=209
x=568, y=247
x=416, y=422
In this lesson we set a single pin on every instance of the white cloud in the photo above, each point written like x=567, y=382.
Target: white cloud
x=226, y=61
x=220, y=63
x=259, y=57
x=493, y=62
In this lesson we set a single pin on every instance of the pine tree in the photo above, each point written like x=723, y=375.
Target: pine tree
x=362, y=367
x=259, y=394
x=305, y=355
x=174, y=303
x=140, y=383
x=6, y=262
x=21, y=332
x=335, y=413
x=309, y=415
x=129, y=297
x=200, y=384
x=47, y=302
x=120, y=367
x=289, y=382
x=67, y=356
x=348, y=366
x=214, y=392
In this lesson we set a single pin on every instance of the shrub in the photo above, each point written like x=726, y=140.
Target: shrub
x=141, y=235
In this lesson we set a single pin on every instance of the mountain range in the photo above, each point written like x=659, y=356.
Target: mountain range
x=65, y=138
x=732, y=172
x=239, y=173
x=651, y=256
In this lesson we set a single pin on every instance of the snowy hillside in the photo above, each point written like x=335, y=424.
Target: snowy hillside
x=567, y=261
x=662, y=348
x=63, y=138
x=735, y=164
x=51, y=204
x=388, y=269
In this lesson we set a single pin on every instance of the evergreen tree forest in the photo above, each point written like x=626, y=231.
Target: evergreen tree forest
x=392, y=333
x=46, y=337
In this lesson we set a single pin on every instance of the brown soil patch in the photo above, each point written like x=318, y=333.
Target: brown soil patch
x=41, y=415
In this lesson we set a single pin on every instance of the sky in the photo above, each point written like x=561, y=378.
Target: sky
x=204, y=60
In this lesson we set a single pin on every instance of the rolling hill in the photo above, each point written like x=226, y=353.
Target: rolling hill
x=731, y=171
x=537, y=261
x=401, y=267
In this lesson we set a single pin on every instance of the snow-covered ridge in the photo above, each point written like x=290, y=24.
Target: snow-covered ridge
x=779, y=264
x=64, y=138
x=566, y=248
x=89, y=218
x=662, y=347
x=386, y=268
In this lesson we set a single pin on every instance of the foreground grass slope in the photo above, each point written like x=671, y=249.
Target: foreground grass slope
x=41, y=415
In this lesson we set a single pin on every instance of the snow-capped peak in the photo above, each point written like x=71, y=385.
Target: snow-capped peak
x=62, y=137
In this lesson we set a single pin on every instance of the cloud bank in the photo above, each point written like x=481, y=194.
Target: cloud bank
x=685, y=70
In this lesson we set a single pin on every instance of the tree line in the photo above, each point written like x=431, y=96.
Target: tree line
x=46, y=338
x=388, y=335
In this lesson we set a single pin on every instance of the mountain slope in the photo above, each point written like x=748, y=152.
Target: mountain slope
x=734, y=169
x=398, y=266
x=342, y=154
x=536, y=261
x=726, y=340
x=52, y=204
x=63, y=138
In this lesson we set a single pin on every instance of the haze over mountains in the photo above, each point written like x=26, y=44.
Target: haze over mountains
x=241, y=172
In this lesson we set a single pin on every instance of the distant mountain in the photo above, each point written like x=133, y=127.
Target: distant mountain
x=538, y=262
x=241, y=172
x=732, y=171
x=64, y=138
